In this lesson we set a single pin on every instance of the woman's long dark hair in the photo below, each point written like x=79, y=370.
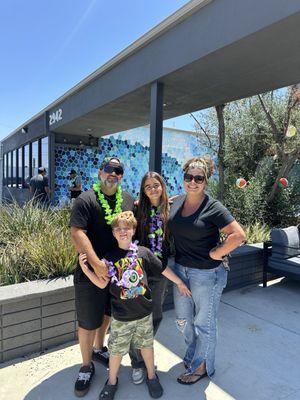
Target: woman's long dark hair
x=144, y=207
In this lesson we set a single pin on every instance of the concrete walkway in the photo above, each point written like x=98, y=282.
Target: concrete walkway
x=258, y=356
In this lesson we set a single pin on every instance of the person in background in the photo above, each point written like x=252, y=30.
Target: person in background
x=75, y=187
x=39, y=188
x=195, y=221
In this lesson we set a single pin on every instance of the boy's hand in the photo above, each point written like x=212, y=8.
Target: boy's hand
x=183, y=289
x=101, y=281
x=83, y=262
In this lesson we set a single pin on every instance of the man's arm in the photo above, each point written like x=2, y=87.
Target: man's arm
x=100, y=282
x=83, y=245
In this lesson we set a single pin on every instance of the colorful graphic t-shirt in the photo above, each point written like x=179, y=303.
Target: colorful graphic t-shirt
x=130, y=294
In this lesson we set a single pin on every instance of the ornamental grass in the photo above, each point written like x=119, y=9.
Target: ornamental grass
x=34, y=243
x=257, y=232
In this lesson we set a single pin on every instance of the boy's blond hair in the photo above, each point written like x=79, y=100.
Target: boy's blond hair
x=126, y=218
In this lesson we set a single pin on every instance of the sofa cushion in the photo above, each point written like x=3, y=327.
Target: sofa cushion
x=285, y=242
x=292, y=265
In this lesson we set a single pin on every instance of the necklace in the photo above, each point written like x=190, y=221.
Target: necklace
x=130, y=272
x=109, y=213
x=155, y=232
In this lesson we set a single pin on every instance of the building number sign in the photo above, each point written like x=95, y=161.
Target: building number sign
x=55, y=116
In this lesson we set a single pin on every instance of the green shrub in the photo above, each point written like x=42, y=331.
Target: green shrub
x=257, y=232
x=34, y=243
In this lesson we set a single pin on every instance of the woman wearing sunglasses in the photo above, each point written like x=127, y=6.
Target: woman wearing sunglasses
x=195, y=221
x=152, y=213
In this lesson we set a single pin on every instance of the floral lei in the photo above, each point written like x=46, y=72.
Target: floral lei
x=156, y=233
x=109, y=214
x=125, y=279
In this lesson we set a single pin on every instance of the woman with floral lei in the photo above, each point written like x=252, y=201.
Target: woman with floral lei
x=152, y=213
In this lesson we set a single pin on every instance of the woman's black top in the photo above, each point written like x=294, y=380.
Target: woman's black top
x=197, y=234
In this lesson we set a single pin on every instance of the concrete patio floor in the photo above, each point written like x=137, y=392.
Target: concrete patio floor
x=258, y=356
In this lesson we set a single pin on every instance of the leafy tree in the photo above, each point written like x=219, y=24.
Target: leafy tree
x=257, y=145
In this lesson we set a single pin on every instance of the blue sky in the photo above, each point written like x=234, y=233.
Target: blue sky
x=49, y=46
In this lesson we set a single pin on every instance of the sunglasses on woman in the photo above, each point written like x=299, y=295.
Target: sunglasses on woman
x=196, y=178
x=109, y=169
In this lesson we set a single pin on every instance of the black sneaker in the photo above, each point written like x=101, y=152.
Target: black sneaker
x=154, y=387
x=84, y=379
x=108, y=392
x=101, y=356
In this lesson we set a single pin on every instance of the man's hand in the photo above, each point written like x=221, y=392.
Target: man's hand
x=100, y=270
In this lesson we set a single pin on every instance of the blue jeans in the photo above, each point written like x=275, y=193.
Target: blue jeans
x=196, y=316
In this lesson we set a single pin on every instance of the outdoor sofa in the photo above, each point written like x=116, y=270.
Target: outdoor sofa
x=282, y=254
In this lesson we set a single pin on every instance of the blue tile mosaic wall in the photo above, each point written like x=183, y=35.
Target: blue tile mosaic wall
x=132, y=147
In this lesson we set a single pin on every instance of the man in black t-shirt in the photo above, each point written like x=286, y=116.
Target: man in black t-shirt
x=75, y=187
x=39, y=187
x=91, y=233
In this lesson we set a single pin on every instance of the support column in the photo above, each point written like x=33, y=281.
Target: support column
x=156, y=126
x=51, y=157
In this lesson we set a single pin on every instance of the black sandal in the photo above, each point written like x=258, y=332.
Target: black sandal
x=199, y=376
x=108, y=392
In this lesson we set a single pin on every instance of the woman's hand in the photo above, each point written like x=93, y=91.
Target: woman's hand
x=183, y=289
x=216, y=253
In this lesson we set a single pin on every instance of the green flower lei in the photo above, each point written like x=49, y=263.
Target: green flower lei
x=109, y=213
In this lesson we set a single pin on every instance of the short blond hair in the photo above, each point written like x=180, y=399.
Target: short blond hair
x=126, y=218
x=204, y=162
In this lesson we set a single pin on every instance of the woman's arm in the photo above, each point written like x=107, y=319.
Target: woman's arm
x=101, y=282
x=235, y=237
x=183, y=289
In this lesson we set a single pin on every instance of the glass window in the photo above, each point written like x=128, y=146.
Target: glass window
x=26, y=167
x=9, y=169
x=14, y=169
x=44, y=157
x=20, y=178
x=4, y=170
x=35, y=158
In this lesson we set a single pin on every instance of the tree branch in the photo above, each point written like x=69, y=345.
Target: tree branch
x=269, y=116
x=204, y=132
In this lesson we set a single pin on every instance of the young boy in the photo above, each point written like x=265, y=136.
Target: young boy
x=131, y=303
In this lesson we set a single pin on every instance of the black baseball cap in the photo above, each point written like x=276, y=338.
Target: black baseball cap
x=112, y=162
x=72, y=172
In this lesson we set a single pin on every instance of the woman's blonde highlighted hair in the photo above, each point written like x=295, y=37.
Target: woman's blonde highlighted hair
x=204, y=162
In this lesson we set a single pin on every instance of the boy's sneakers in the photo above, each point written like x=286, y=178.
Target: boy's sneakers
x=101, y=356
x=108, y=392
x=138, y=375
x=84, y=379
x=154, y=387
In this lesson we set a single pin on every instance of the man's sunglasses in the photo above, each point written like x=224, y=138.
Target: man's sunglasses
x=197, y=178
x=109, y=169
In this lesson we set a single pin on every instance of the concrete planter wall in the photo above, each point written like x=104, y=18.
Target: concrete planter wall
x=35, y=316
